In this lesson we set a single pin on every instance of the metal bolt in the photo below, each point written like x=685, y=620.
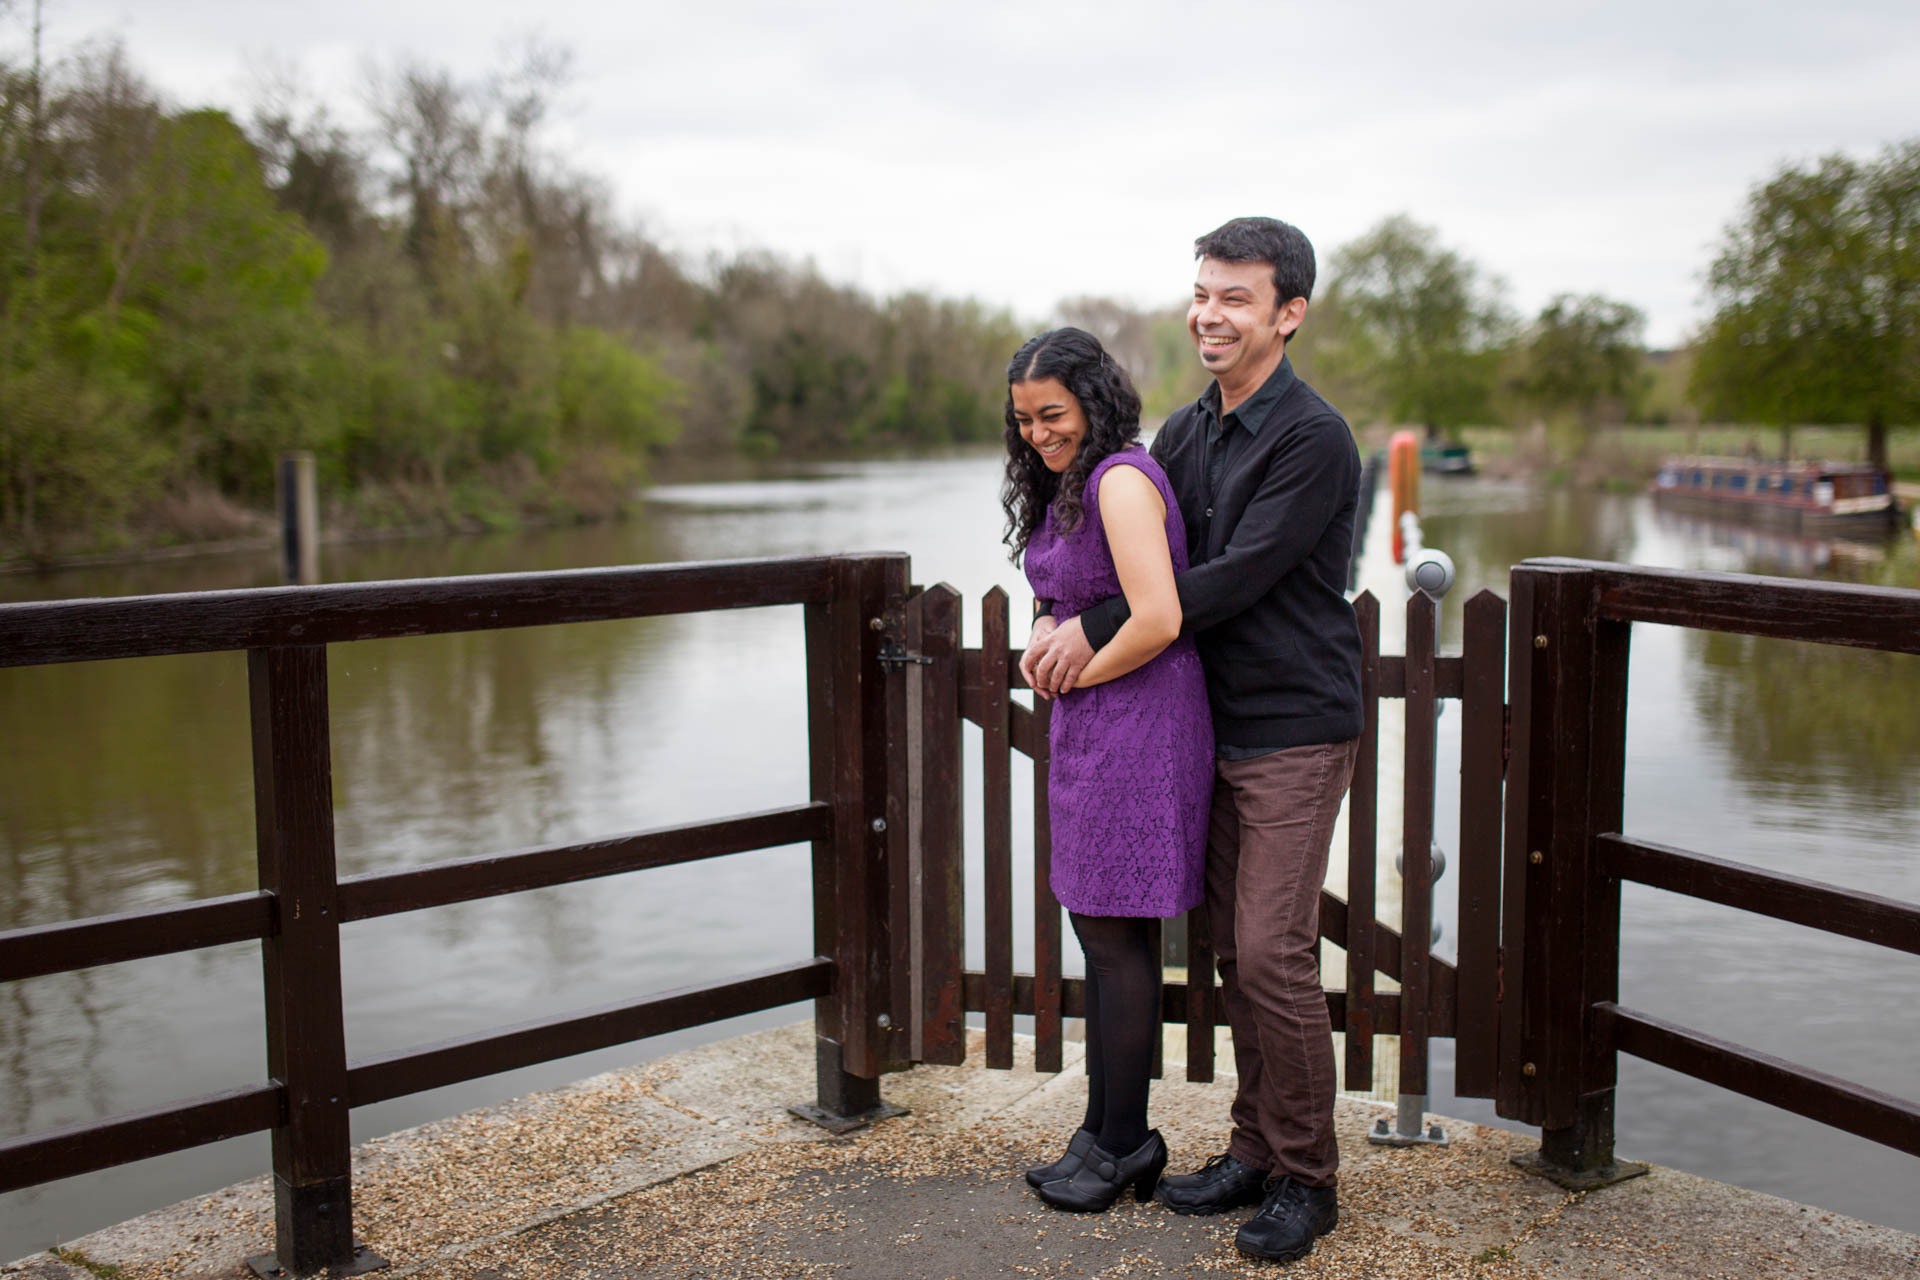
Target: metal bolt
x=1539, y=642
x=1536, y=857
x=884, y=1021
x=876, y=624
x=1526, y=1068
x=879, y=824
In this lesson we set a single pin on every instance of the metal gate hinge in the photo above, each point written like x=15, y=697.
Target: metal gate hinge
x=896, y=655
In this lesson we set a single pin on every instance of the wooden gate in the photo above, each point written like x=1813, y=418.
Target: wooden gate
x=952, y=686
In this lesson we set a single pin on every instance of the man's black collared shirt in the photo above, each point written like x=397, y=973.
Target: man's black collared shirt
x=1268, y=493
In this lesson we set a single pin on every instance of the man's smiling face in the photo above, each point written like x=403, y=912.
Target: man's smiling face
x=1236, y=323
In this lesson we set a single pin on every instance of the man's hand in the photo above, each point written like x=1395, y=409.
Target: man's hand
x=1055, y=658
x=1043, y=626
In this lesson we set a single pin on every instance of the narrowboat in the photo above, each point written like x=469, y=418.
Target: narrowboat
x=1446, y=459
x=1790, y=495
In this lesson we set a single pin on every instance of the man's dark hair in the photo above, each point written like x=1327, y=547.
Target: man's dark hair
x=1280, y=245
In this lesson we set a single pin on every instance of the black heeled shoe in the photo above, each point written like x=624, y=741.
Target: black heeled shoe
x=1103, y=1178
x=1067, y=1165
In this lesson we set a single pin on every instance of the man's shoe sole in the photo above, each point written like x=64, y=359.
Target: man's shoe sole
x=1296, y=1254
x=1209, y=1210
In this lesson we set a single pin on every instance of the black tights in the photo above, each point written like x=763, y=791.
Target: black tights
x=1123, y=1017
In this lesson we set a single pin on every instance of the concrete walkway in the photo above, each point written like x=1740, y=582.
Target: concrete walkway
x=691, y=1167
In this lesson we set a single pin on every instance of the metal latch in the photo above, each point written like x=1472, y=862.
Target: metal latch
x=894, y=654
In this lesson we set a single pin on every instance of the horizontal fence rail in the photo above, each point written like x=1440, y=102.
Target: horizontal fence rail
x=1567, y=857
x=1829, y=908
x=469, y=1057
x=466, y=879
x=852, y=609
x=1841, y=1104
x=137, y=1135
x=1843, y=613
x=43, y=632
x=134, y=935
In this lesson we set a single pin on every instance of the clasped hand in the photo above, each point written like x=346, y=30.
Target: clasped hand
x=1055, y=656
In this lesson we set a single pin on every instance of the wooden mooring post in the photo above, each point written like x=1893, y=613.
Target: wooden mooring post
x=299, y=517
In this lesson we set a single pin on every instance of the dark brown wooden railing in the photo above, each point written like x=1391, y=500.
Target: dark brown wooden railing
x=1562, y=1023
x=854, y=821
x=1531, y=1004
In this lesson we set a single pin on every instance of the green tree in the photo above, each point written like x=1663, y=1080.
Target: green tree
x=74, y=455
x=440, y=306
x=1421, y=323
x=1816, y=294
x=213, y=289
x=1581, y=358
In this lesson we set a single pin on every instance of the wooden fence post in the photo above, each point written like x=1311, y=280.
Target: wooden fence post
x=306, y=1032
x=1482, y=735
x=1363, y=825
x=996, y=789
x=1047, y=1048
x=933, y=631
x=851, y=730
x=1574, y=733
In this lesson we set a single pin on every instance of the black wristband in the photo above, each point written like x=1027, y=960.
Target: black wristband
x=1041, y=608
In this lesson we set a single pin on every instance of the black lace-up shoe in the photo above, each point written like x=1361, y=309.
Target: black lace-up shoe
x=1220, y=1184
x=1289, y=1219
x=1067, y=1165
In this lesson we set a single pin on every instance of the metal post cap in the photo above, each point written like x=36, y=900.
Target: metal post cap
x=1430, y=571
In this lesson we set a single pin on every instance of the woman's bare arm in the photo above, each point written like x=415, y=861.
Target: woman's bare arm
x=1135, y=518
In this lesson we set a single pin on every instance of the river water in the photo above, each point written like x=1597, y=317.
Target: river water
x=127, y=784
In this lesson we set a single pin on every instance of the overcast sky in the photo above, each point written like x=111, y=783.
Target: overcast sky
x=1022, y=153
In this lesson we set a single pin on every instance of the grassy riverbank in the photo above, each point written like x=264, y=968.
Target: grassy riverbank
x=198, y=519
x=201, y=521
x=1617, y=459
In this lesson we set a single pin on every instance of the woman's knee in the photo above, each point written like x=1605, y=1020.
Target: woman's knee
x=1113, y=942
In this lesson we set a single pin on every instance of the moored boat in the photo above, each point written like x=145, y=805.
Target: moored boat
x=1446, y=459
x=1795, y=495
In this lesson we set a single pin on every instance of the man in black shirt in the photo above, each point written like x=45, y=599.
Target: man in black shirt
x=1266, y=474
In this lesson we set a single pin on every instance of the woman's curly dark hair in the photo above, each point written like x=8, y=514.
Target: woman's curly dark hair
x=1075, y=359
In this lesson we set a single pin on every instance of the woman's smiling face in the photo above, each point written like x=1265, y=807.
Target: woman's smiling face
x=1050, y=420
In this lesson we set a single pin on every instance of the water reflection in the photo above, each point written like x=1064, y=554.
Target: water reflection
x=128, y=783
x=1810, y=724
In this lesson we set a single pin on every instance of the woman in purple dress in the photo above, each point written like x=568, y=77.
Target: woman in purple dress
x=1131, y=775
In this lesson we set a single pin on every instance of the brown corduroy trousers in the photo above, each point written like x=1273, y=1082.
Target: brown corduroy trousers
x=1267, y=841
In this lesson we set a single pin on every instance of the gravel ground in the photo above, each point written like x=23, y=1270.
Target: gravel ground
x=691, y=1166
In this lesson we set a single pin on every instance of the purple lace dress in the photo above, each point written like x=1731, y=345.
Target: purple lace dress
x=1131, y=777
